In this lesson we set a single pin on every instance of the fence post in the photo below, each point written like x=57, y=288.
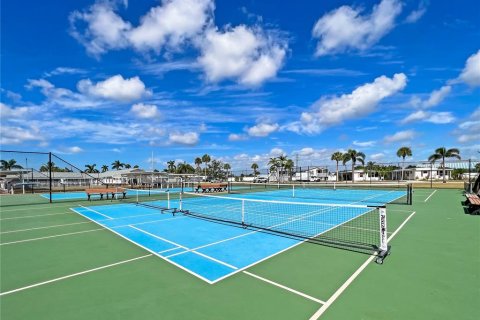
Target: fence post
x=431, y=175
x=470, y=182
x=50, y=175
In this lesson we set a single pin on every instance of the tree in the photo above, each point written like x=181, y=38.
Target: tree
x=442, y=153
x=354, y=156
x=404, y=152
x=10, y=164
x=171, y=166
x=206, y=159
x=46, y=167
x=273, y=163
x=117, y=165
x=198, y=163
x=289, y=165
x=91, y=168
x=184, y=168
x=477, y=167
x=136, y=166
x=337, y=156
x=254, y=167
x=127, y=166
x=371, y=166
x=282, y=160
x=104, y=168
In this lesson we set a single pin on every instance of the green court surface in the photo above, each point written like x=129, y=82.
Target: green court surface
x=56, y=264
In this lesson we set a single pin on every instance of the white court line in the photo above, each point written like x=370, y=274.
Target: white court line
x=49, y=237
x=430, y=195
x=94, y=211
x=285, y=288
x=38, y=228
x=73, y=275
x=347, y=283
x=38, y=215
x=185, y=248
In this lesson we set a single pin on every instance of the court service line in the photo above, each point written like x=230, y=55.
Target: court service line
x=94, y=211
x=74, y=275
x=47, y=227
x=35, y=216
x=49, y=237
x=353, y=277
x=185, y=248
x=430, y=195
x=285, y=288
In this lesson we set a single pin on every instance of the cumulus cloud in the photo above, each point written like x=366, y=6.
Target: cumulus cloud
x=8, y=112
x=167, y=26
x=469, y=130
x=145, y=111
x=75, y=149
x=115, y=88
x=400, y=136
x=275, y=152
x=471, y=73
x=426, y=116
x=262, y=129
x=345, y=28
x=17, y=135
x=361, y=102
x=187, y=138
x=248, y=55
x=377, y=156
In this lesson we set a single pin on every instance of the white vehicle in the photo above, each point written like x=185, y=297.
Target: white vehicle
x=260, y=180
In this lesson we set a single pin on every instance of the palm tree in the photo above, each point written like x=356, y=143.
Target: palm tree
x=370, y=167
x=136, y=166
x=337, y=156
x=274, y=164
x=127, y=166
x=442, y=153
x=354, y=156
x=10, y=164
x=184, y=168
x=171, y=166
x=206, y=159
x=104, y=168
x=404, y=152
x=289, y=164
x=477, y=167
x=46, y=167
x=117, y=165
x=282, y=160
x=198, y=163
x=254, y=167
x=91, y=168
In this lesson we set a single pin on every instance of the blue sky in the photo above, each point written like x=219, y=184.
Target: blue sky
x=98, y=81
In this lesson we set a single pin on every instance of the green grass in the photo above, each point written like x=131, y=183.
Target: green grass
x=433, y=272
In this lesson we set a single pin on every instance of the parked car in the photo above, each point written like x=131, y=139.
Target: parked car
x=260, y=180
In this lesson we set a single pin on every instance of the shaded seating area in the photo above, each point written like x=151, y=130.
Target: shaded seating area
x=211, y=187
x=101, y=192
x=473, y=199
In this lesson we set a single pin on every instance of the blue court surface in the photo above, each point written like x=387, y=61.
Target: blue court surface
x=82, y=196
x=211, y=250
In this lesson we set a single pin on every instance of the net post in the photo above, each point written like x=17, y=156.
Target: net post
x=168, y=199
x=50, y=175
x=293, y=191
x=138, y=200
x=383, y=245
x=180, y=201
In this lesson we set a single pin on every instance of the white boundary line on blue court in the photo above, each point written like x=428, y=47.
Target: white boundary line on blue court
x=349, y=281
x=94, y=211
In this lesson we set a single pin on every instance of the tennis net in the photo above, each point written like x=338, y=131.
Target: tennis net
x=353, y=227
x=158, y=199
x=372, y=194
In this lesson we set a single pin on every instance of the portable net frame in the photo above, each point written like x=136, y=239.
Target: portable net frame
x=358, y=228
x=151, y=198
x=374, y=194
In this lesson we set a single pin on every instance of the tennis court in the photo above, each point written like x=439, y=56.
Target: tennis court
x=96, y=263
x=59, y=196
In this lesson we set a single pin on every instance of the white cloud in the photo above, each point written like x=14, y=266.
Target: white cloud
x=364, y=144
x=361, y=102
x=237, y=137
x=16, y=135
x=437, y=96
x=75, y=149
x=345, y=28
x=171, y=24
x=305, y=152
x=275, y=152
x=433, y=117
x=64, y=70
x=469, y=130
x=262, y=129
x=400, y=136
x=8, y=112
x=145, y=111
x=377, y=156
x=415, y=15
x=247, y=55
x=115, y=88
x=471, y=73
x=188, y=138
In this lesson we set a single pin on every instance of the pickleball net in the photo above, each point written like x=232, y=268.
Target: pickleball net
x=353, y=227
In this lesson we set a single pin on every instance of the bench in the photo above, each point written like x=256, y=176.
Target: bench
x=105, y=191
x=211, y=187
x=473, y=202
